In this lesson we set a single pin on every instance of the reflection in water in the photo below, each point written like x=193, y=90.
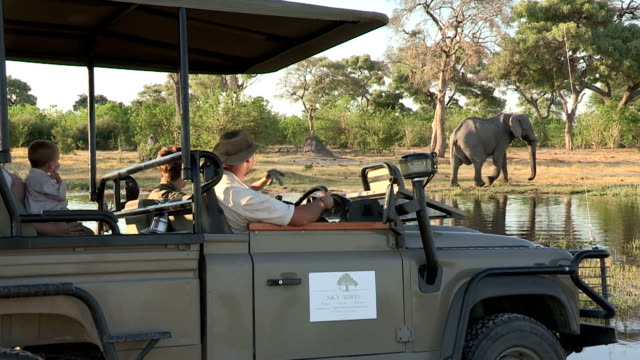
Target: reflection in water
x=609, y=222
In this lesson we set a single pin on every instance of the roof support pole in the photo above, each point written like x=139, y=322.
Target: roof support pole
x=5, y=153
x=184, y=114
x=91, y=110
x=184, y=95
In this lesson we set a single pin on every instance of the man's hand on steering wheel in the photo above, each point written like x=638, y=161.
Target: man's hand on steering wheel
x=327, y=200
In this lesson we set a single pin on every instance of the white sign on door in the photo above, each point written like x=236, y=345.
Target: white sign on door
x=346, y=295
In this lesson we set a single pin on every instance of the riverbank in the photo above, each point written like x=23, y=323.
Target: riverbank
x=603, y=171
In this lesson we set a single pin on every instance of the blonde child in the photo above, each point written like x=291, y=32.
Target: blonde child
x=44, y=187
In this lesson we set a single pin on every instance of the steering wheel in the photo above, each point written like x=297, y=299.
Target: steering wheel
x=310, y=191
x=340, y=203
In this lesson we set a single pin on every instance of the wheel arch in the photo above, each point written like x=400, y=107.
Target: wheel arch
x=46, y=320
x=538, y=297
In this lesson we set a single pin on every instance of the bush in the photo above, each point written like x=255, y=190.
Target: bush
x=113, y=127
x=415, y=129
x=606, y=126
x=335, y=124
x=157, y=119
x=294, y=129
x=70, y=132
x=213, y=115
x=27, y=123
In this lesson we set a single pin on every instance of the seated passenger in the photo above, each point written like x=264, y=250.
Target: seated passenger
x=44, y=187
x=51, y=228
x=241, y=204
x=171, y=183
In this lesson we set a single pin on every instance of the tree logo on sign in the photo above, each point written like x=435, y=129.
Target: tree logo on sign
x=345, y=281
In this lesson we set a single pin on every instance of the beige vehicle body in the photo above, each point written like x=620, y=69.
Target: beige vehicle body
x=379, y=284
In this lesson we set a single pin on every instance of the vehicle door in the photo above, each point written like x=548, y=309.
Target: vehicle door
x=326, y=291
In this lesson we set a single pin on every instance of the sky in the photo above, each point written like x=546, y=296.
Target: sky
x=57, y=85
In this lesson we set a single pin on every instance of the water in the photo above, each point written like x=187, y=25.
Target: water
x=566, y=219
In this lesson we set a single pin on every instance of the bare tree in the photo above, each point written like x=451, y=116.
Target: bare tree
x=442, y=39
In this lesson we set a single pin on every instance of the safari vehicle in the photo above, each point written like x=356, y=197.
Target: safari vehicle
x=375, y=282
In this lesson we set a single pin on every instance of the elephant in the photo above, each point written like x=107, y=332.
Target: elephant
x=475, y=139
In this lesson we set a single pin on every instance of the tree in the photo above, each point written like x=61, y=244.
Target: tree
x=27, y=123
x=153, y=94
x=617, y=52
x=509, y=71
x=313, y=83
x=212, y=85
x=552, y=49
x=362, y=75
x=83, y=99
x=442, y=39
x=19, y=92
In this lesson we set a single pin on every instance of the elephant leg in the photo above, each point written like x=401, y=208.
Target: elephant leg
x=455, y=166
x=505, y=172
x=498, y=161
x=477, y=178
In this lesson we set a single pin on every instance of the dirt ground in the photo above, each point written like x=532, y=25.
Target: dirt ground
x=556, y=168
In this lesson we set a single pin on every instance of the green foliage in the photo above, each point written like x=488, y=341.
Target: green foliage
x=156, y=119
x=70, y=132
x=606, y=126
x=19, y=92
x=366, y=131
x=414, y=129
x=113, y=127
x=214, y=115
x=376, y=131
x=28, y=123
x=294, y=130
x=336, y=124
x=154, y=94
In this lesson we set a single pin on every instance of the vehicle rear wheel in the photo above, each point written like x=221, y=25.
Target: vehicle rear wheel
x=511, y=337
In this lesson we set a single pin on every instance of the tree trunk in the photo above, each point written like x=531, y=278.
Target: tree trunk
x=629, y=95
x=568, y=132
x=439, y=138
x=569, y=115
x=175, y=79
x=312, y=130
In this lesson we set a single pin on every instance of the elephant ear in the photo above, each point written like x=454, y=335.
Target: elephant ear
x=514, y=125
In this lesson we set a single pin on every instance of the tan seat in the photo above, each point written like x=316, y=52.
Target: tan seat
x=5, y=219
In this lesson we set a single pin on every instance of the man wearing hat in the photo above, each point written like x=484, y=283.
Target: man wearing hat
x=243, y=205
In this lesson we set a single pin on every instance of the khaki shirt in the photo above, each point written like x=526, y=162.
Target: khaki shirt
x=166, y=191
x=243, y=206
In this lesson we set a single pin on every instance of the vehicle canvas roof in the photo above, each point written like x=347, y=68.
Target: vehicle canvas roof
x=224, y=36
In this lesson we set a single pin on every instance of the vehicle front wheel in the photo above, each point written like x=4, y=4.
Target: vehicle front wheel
x=511, y=337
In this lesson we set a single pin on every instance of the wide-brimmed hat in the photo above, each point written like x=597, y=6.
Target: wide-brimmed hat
x=234, y=147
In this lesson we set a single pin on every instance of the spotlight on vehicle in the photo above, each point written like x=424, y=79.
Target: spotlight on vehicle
x=419, y=165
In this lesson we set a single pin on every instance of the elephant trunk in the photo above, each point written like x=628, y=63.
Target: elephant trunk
x=532, y=159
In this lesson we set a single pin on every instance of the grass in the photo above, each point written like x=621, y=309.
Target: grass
x=622, y=280
x=602, y=172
